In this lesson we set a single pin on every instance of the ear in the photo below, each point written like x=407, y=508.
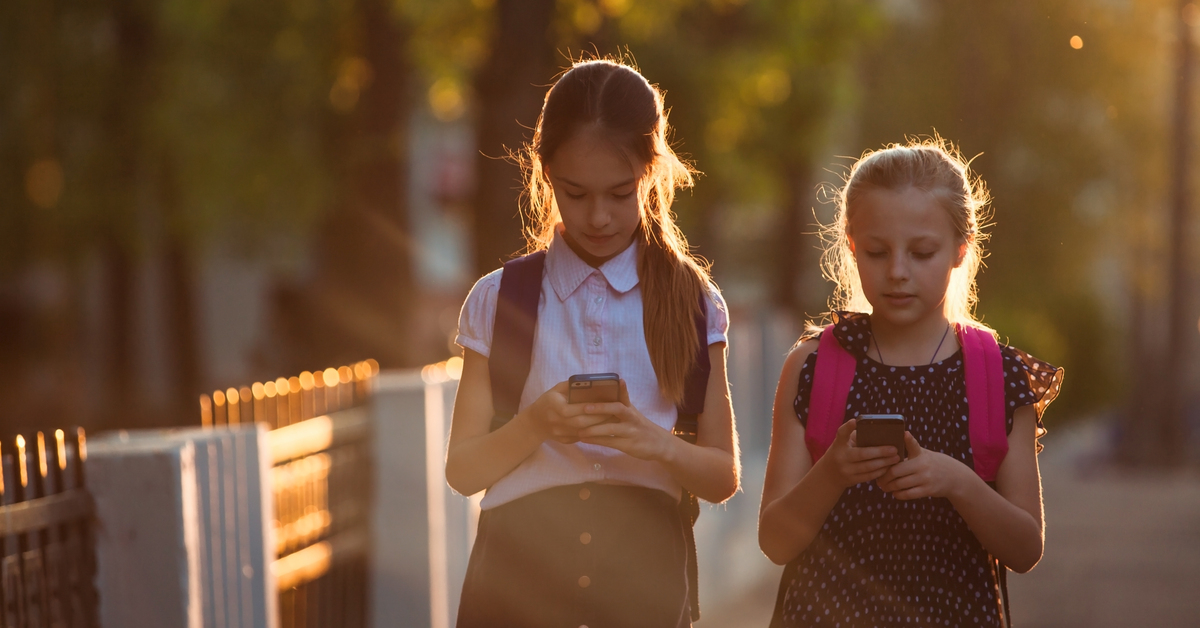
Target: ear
x=962, y=254
x=850, y=241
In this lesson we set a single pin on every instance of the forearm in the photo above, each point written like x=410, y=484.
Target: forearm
x=477, y=463
x=1007, y=531
x=789, y=524
x=709, y=473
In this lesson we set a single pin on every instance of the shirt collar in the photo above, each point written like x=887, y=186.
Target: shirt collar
x=567, y=271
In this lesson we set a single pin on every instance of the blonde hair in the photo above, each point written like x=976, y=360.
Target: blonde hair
x=935, y=166
x=615, y=98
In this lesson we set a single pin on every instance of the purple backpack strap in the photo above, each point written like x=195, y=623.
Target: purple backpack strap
x=512, y=333
x=984, y=374
x=831, y=386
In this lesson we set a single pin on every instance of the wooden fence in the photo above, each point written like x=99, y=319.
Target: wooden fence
x=320, y=453
x=46, y=574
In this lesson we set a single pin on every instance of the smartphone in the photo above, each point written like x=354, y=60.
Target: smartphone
x=594, y=388
x=880, y=430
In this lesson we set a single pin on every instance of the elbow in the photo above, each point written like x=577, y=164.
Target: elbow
x=1028, y=560
x=777, y=545
x=1029, y=556
x=772, y=550
x=722, y=491
x=456, y=478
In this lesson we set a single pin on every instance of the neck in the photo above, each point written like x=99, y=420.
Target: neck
x=913, y=344
x=588, y=258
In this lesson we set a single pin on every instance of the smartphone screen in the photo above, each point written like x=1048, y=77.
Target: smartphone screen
x=880, y=430
x=594, y=388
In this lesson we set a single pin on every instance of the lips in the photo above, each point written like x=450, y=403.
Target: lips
x=899, y=298
x=598, y=239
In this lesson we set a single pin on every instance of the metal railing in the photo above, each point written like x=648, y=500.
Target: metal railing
x=46, y=573
x=320, y=480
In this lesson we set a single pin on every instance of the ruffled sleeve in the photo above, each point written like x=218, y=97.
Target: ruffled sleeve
x=1029, y=382
x=478, y=314
x=718, y=316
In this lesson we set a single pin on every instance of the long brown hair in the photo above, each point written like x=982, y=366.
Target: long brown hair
x=616, y=99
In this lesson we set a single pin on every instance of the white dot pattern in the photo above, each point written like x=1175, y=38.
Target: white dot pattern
x=879, y=561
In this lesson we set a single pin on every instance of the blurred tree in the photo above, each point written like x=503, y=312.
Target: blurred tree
x=1064, y=140
x=509, y=86
x=156, y=133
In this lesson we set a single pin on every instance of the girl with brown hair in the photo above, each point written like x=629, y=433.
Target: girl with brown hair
x=582, y=522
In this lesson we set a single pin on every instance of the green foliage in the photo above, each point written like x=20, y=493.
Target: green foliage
x=1069, y=142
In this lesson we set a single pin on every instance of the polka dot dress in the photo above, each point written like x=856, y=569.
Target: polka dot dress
x=879, y=561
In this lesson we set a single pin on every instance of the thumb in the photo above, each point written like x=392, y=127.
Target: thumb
x=846, y=430
x=911, y=444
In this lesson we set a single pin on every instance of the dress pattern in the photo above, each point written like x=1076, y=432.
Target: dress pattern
x=880, y=561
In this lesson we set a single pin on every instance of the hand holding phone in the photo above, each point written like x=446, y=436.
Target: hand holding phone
x=881, y=430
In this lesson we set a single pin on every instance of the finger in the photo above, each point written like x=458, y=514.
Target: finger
x=870, y=453
x=911, y=493
x=614, y=409
x=604, y=430
x=911, y=444
x=845, y=430
x=584, y=421
x=624, y=394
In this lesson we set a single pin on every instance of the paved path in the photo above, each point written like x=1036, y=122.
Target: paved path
x=1122, y=549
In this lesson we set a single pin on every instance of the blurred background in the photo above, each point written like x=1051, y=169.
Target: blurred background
x=197, y=194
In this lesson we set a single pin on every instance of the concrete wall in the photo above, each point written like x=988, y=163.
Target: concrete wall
x=184, y=535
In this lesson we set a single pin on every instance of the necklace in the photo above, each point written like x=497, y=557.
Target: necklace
x=931, y=358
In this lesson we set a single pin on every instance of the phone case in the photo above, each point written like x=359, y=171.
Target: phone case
x=880, y=430
x=594, y=388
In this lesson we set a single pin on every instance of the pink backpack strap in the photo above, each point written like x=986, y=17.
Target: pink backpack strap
x=831, y=386
x=984, y=374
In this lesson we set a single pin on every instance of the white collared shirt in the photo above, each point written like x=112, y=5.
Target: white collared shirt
x=589, y=321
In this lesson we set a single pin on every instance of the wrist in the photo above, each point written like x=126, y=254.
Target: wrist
x=961, y=482
x=529, y=428
x=668, y=452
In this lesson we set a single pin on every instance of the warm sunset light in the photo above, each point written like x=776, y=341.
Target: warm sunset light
x=678, y=243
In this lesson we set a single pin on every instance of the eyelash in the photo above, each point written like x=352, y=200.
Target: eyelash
x=619, y=197
x=883, y=254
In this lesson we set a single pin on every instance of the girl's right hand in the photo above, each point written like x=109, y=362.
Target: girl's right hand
x=552, y=418
x=847, y=464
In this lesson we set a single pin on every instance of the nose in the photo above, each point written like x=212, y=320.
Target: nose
x=898, y=267
x=599, y=214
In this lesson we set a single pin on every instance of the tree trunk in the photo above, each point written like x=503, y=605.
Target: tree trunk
x=359, y=304
x=1172, y=431
x=510, y=88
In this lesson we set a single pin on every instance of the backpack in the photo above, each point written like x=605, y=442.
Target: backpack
x=512, y=356
x=984, y=374
x=983, y=370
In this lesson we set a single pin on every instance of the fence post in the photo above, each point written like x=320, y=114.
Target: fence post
x=400, y=564
x=147, y=543
x=421, y=529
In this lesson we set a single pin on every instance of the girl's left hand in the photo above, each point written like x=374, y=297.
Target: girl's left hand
x=628, y=430
x=924, y=474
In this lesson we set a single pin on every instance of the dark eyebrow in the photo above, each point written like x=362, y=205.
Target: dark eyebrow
x=622, y=184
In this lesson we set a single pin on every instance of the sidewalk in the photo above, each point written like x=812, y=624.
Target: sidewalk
x=1122, y=549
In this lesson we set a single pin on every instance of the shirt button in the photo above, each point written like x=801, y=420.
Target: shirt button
x=584, y=582
x=585, y=538
x=596, y=341
x=596, y=466
x=584, y=494
x=599, y=299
